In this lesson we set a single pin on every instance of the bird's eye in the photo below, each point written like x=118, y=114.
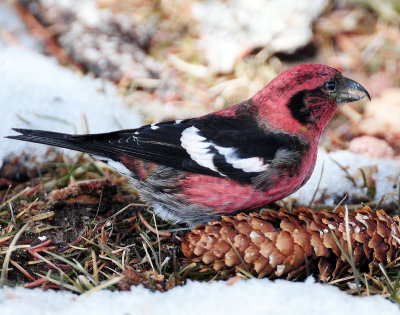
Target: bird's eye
x=330, y=86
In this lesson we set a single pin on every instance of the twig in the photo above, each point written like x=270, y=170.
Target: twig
x=35, y=283
x=239, y=256
x=148, y=256
x=27, y=208
x=348, y=176
x=6, y=194
x=340, y=202
x=104, y=285
x=151, y=228
x=45, y=243
x=19, y=267
x=350, y=250
x=158, y=241
x=120, y=211
x=15, y=197
x=319, y=183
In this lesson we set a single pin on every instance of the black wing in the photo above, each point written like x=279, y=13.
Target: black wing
x=219, y=146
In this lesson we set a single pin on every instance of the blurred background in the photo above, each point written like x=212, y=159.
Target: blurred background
x=182, y=58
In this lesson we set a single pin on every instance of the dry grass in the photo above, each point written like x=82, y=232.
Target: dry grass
x=111, y=240
x=93, y=252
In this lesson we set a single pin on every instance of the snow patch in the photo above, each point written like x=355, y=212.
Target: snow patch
x=230, y=29
x=335, y=182
x=256, y=296
x=37, y=93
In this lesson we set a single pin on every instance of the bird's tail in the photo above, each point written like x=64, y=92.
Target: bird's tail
x=73, y=142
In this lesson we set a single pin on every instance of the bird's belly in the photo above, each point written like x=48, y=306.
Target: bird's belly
x=222, y=195
x=179, y=191
x=228, y=196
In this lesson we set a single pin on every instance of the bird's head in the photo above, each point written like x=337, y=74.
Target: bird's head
x=304, y=98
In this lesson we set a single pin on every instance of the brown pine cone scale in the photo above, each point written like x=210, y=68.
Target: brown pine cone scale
x=296, y=244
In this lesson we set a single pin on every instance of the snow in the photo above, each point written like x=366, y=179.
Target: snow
x=37, y=93
x=257, y=296
x=334, y=181
x=228, y=30
x=34, y=86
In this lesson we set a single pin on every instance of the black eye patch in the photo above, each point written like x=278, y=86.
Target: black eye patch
x=298, y=108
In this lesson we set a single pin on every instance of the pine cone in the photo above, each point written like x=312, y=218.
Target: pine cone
x=297, y=244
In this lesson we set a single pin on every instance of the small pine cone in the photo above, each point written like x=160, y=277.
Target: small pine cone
x=296, y=244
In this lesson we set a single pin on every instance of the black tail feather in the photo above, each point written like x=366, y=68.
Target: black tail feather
x=158, y=145
x=112, y=145
x=67, y=141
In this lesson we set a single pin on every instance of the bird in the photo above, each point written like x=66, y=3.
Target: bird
x=239, y=158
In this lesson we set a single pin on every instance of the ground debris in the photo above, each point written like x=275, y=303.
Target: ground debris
x=150, y=279
x=95, y=217
x=87, y=192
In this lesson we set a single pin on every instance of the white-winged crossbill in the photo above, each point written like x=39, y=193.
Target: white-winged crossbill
x=236, y=159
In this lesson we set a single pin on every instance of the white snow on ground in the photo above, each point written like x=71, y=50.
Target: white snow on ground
x=228, y=30
x=335, y=181
x=37, y=93
x=257, y=296
x=33, y=86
